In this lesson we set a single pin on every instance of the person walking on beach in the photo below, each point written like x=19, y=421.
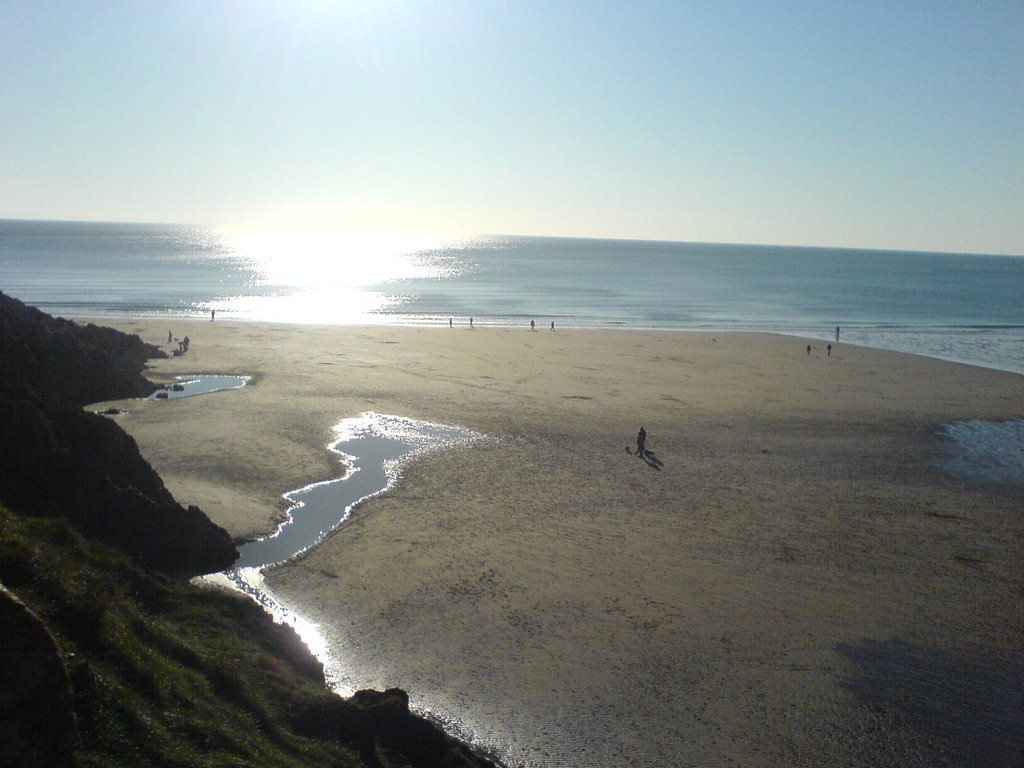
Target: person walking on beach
x=552, y=325
x=471, y=322
x=212, y=313
x=169, y=337
x=449, y=322
x=641, y=438
x=829, y=350
x=837, y=334
x=808, y=349
x=533, y=325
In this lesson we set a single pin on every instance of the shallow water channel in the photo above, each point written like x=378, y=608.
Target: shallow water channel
x=374, y=448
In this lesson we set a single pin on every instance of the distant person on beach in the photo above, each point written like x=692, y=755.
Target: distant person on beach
x=829, y=350
x=449, y=322
x=641, y=438
x=184, y=344
x=808, y=349
x=837, y=334
x=169, y=337
x=533, y=325
x=471, y=322
x=552, y=325
x=212, y=313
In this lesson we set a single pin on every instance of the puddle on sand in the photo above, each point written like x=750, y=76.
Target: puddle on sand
x=985, y=451
x=187, y=386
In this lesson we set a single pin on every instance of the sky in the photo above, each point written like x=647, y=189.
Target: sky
x=852, y=124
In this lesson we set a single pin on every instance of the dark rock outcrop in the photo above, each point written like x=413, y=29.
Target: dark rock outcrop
x=59, y=461
x=59, y=363
x=387, y=732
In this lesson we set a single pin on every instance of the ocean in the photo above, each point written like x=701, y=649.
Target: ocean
x=962, y=307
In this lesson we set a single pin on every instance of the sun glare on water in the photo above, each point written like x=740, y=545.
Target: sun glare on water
x=303, y=257
x=327, y=275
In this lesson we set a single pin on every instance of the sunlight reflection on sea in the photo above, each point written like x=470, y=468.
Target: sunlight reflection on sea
x=323, y=275
x=327, y=257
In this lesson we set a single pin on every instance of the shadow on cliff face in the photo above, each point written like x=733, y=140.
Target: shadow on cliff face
x=37, y=717
x=58, y=461
x=940, y=708
x=111, y=664
x=60, y=363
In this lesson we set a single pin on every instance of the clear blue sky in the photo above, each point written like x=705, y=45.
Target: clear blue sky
x=879, y=124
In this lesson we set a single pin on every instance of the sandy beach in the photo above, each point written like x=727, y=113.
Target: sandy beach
x=790, y=579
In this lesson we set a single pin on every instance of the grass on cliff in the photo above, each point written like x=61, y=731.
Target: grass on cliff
x=169, y=674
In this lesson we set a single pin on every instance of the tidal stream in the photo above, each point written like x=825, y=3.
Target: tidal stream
x=374, y=447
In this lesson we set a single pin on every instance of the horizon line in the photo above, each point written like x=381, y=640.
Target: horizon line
x=522, y=236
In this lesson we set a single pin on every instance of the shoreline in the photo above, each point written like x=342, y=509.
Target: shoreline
x=868, y=336
x=798, y=514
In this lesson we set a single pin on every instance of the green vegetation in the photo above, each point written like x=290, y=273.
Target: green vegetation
x=166, y=673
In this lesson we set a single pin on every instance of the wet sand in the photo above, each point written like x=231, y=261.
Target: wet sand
x=790, y=579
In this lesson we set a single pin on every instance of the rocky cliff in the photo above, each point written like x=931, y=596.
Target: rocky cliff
x=59, y=461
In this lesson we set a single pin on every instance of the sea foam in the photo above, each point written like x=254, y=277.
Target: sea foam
x=986, y=451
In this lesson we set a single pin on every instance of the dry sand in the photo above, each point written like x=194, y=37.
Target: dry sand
x=793, y=581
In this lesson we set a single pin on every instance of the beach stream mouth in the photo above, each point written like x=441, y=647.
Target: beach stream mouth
x=319, y=508
x=374, y=448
